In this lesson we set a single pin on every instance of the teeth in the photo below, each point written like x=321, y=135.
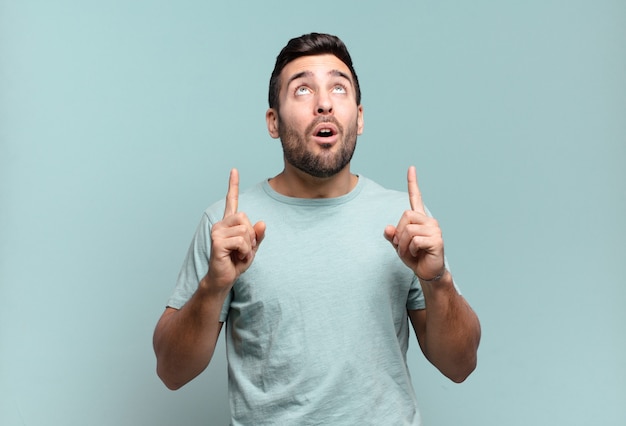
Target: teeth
x=325, y=132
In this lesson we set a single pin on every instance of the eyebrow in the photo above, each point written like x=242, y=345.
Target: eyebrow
x=303, y=74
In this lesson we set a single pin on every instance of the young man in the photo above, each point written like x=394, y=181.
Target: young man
x=316, y=287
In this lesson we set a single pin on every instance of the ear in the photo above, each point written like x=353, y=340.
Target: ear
x=271, y=118
x=359, y=120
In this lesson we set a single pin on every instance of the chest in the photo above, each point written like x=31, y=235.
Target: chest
x=322, y=267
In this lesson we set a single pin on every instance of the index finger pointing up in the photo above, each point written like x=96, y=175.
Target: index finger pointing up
x=232, y=196
x=415, y=196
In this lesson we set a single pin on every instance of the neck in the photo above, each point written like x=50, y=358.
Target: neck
x=293, y=182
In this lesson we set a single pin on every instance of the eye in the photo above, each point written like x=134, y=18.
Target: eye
x=339, y=89
x=302, y=90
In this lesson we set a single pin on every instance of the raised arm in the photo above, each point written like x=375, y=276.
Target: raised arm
x=184, y=339
x=448, y=330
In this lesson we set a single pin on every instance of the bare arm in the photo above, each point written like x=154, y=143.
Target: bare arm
x=184, y=340
x=448, y=330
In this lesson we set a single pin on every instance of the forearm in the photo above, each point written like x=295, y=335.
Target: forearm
x=452, y=330
x=185, y=339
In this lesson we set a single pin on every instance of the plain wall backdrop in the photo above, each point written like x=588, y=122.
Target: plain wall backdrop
x=119, y=121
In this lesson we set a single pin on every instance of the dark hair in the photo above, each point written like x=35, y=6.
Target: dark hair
x=309, y=45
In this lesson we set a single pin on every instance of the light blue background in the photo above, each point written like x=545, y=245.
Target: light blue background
x=119, y=121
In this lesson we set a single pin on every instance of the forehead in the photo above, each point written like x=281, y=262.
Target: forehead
x=316, y=65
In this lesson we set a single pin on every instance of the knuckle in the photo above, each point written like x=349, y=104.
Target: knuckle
x=241, y=244
x=242, y=217
x=216, y=230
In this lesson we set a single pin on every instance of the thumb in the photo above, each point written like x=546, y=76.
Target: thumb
x=259, y=230
x=390, y=232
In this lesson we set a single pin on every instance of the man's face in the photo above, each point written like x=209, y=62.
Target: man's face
x=319, y=119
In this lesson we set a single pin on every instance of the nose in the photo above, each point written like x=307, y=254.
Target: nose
x=324, y=109
x=324, y=105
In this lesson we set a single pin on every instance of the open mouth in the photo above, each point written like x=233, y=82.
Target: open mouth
x=325, y=133
x=325, y=130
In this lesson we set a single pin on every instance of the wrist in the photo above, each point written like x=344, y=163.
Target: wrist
x=209, y=286
x=434, y=279
x=442, y=285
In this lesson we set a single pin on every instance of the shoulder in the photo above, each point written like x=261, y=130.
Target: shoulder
x=253, y=201
x=385, y=197
x=248, y=198
x=375, y=191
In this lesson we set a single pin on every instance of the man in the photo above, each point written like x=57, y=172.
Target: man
x=316, y=287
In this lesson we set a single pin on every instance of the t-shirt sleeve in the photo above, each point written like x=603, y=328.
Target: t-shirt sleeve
x=416, y=296
x=195, y=267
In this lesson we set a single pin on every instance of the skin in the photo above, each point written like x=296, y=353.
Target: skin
x=448, y=330
x=317, y=92
x=313, y=89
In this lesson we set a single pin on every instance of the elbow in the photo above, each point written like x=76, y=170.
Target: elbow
x=168, y=373
x=462, y=370
x=170, y=382
x=468, y=360
x=462, y=374
x=173, y=386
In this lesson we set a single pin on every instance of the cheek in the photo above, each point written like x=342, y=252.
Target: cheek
x=293, y=122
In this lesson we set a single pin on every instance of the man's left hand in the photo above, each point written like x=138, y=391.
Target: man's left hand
x=417, y=237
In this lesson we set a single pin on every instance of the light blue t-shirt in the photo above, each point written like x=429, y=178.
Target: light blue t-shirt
x=317, y=327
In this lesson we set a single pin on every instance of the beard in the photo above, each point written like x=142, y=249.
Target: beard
x=326, y=163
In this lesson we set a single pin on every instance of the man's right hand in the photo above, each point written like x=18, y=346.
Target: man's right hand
x=234, y=241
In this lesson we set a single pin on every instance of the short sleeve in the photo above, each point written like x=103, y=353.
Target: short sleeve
x=195, y=265
x=416, y=296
